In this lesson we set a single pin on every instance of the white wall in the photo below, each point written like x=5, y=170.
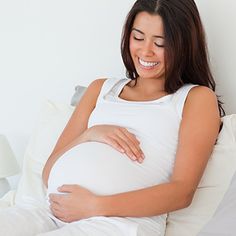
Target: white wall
x=219, y=19
x=49, y=46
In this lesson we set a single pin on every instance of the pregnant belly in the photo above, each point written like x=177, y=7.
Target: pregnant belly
x=100, y=168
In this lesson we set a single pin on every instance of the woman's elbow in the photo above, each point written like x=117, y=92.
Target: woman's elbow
x=187, y=198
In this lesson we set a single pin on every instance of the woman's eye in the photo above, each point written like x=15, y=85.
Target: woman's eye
x=139, y=39
x=160, y=45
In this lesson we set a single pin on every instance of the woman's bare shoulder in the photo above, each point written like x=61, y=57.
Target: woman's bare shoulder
x=201, y=99
x=96, y=85
x=89, y=98
x=202, y=93
x=93, y=89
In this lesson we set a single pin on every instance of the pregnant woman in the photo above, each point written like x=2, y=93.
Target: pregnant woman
x=135, y=148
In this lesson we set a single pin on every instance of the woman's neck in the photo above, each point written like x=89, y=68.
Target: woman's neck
x=149, y=85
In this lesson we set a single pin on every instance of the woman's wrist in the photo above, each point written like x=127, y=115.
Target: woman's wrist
x=102, y=206
x=84, y=137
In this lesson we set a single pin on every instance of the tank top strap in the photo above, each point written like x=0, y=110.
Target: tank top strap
x=109, y=86
x=180, y=96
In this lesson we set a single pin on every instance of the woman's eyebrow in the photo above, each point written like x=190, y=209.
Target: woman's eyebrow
x=155, y=36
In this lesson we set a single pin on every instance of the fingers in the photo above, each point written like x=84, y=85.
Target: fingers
x=57, y=211
x=136, y=144
x=126, y=142
x=57, y=198
x=119, y=138
x=115, y=145
x=54, y=197
x=57, y=208
x=67, y=188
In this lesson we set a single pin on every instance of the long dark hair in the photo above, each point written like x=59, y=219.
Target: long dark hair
x=186, y=57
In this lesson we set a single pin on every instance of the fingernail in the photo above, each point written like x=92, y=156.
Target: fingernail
x=133, y=157
x=140, y=160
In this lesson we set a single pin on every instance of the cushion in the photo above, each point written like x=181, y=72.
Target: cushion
x=223, y=221
x=52, y=120
x=79, y=91
x=212, y=187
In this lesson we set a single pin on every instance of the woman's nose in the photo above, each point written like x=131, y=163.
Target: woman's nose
x=147, y=49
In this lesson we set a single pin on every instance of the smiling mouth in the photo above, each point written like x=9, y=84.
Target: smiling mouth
x=148, y=65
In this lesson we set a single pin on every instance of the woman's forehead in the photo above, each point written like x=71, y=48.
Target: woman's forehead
x=148, y=23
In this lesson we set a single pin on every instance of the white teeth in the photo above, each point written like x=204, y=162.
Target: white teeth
x=147, y=64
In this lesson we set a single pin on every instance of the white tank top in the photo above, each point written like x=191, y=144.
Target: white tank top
x=97, y=165
x=155, y=123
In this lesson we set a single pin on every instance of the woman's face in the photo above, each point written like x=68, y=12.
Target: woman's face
x=147, y=46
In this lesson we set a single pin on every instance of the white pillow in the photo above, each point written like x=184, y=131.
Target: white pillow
x=213, y=185
x=52, y=120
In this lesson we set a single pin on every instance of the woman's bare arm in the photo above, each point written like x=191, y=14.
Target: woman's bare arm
x=76, y=126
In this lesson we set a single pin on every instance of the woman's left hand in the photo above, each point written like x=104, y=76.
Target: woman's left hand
x=77, y=203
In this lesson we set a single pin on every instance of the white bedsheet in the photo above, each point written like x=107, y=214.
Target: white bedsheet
x=28, y=220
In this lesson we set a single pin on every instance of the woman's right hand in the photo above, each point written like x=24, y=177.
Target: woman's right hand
x=117, y=137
